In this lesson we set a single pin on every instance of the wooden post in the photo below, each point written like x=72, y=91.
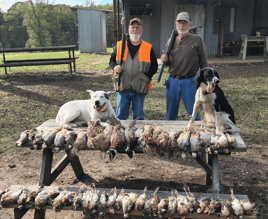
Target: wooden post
x=209, y=161
x=74, y=60
x=114, y=17
x=46, y=167
x=19, y=213
x=76, y=165
x=216, y=183
x=4, y=59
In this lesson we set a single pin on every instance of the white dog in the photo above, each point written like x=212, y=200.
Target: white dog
x=98, y=107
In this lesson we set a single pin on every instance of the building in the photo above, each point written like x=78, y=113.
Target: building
x=216, y=20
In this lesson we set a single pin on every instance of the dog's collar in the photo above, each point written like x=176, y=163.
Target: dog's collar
x=104, y=110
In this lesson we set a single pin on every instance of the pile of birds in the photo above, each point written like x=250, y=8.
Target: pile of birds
x=152, y=138
x=94, y=202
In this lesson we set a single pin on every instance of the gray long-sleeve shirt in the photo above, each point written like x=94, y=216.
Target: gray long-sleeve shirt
x=187, y=56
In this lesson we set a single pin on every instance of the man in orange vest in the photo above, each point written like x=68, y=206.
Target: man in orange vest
x=139, y=66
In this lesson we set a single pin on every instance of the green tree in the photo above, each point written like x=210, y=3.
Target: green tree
x=13, y=34
x=37, y=25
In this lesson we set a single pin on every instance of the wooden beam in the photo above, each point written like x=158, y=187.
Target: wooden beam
x=39, y=214
x=46, y=167
x=76, y=165
x=59, y=167
x=19, y=213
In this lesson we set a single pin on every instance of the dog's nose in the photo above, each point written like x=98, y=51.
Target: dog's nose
x=215, y=80
x=97, y=103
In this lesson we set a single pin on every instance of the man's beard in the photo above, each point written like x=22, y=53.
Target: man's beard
x=183, y=32
x=135, y=37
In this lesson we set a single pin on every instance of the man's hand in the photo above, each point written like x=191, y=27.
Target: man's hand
x=118, y=69
x=164, y=57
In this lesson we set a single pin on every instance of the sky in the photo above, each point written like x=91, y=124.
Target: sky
x=6, y=4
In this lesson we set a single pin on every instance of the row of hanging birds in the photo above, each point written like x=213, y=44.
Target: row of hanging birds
x=92, y=202
x=153, y=138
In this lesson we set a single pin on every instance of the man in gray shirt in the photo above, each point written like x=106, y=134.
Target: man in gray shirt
x=187, y=55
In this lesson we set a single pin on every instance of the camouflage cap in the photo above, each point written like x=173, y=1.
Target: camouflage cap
x=135, y=20
x=183, y=16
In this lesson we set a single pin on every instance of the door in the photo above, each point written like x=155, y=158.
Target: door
x=197, y=16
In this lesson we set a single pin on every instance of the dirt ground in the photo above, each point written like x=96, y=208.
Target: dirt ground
x=246, y=172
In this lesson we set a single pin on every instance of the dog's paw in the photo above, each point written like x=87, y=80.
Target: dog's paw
x=112, y=153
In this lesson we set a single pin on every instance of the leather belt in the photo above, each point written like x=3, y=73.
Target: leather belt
x=182, y=77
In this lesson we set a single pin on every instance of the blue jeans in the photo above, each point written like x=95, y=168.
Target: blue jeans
x=123, y=105
x=178, y=89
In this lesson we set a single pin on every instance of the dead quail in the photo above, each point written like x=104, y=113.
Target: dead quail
x=58, y=201
x=226, y=209
x=214, y=145
x=162, y=207
x=11, y=197
x=127, y=205
x=214, y=206
x=38, y=140
x=183, y=199
x=160, y=139
x=41, y=199
x=59, y=140
x=1, y=193
x=184, y=142
x=23, y=138
x=94, y=128
x=70, y=138
x=131, y=139
x=172, y=204
x=232, y=143
x=118, y=140
x=147, y=210
x=154, y=202
x=134, y=196
x=68, y=199
x=204, y=203
x=173, y=144
x=102, y=141
x=146, y=137
x=223, y=143
x=32, y=194
x=182, y=210
x=247, y=206
x=23, y=197
x=191, y=197
x=86, y=201
x=78, y=200
x=112, y=199
x=94, y=199
x=195, y=143
x=205, y=139
x=102, y=205
x=48, y=137
x=80, y=142
x=236, y=205
x=141, y=200
x=119, y=199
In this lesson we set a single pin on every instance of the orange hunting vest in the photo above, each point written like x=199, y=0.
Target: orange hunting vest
x=133, y=77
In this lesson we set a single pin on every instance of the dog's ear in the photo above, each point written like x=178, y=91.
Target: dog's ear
x=109, y=94
x=90, y=91
x=199, y=78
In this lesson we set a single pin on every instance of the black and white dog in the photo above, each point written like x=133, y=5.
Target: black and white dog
x=210, y=96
